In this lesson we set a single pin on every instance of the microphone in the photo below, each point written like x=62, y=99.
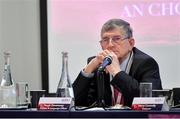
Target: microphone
x=107, y=61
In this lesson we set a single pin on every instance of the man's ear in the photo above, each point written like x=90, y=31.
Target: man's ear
x=132, y=42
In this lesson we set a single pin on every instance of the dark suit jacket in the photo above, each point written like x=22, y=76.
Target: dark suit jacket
x=143, y=69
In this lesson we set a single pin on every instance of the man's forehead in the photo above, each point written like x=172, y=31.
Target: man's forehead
x=115, y=31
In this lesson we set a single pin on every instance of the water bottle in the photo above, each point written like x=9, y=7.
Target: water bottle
x=64, y=88
x=7, y=86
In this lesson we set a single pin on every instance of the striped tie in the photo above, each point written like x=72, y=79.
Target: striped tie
x=118, y=98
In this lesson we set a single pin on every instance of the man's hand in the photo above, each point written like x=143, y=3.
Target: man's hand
x=114, y=67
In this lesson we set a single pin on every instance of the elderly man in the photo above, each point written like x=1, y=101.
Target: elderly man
x=129, y=67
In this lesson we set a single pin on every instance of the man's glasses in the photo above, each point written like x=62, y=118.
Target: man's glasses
x=115, y=39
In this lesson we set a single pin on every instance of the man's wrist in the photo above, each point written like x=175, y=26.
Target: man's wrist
x=116, y=72
x=88, y=75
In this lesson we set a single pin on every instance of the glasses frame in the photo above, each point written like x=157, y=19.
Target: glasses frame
x=113, y=40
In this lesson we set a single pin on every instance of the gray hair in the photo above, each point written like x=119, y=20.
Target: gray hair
x=118, y=23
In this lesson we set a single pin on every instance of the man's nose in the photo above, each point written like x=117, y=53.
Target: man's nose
x=110, y=43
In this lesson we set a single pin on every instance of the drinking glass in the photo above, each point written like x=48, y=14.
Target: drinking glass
x=145, y=89
x=23, y=97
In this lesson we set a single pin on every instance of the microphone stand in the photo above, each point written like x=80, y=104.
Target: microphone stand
x=100, y=89
x=100, y=85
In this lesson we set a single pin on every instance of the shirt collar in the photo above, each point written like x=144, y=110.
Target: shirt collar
x=124, y=63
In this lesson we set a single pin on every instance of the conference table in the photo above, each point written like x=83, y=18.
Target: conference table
x=34, y=113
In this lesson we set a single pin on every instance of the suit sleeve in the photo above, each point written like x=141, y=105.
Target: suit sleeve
x=80, y=87
x=147, y=71
x=84, y=89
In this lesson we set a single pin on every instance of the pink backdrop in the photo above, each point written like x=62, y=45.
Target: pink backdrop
x=74, y=26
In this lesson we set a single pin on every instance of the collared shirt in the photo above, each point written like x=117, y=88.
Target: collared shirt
x=125, y=66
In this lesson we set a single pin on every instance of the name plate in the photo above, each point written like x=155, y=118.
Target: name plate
x=150, y=103
x=55, y=103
